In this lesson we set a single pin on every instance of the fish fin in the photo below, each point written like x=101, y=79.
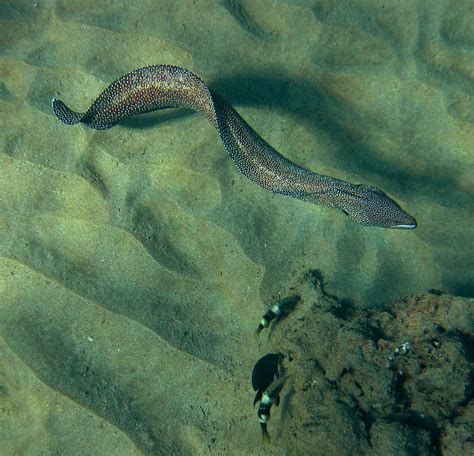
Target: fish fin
x=280, y=367
x=98, y=125
x=265, y=435
x=257, y=397
x=64, y=114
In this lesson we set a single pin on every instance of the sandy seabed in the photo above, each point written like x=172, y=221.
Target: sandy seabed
x=135, y=263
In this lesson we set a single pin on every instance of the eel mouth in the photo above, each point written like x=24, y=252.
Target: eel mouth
x=406, y=226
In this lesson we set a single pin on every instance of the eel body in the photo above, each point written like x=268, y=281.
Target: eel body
x=164, y=86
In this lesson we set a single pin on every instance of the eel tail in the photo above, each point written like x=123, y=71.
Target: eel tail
x=66, y=115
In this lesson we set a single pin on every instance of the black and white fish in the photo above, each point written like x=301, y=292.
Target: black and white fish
x=270, y=396
x=281, y=309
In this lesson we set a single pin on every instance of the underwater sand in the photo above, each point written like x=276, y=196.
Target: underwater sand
x=136, y=262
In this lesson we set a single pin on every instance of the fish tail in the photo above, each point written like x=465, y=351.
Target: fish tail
x=66, y=115
x=265, y=436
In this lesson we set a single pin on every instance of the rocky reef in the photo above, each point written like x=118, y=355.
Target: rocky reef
x=397, y=381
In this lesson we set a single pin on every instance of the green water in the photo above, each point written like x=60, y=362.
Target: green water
x=136, y=262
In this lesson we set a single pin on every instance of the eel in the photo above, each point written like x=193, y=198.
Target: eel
x=166, y=86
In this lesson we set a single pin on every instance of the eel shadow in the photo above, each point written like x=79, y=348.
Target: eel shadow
x=318, y=111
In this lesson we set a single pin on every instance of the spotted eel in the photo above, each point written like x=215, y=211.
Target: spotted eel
x=164, y=86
